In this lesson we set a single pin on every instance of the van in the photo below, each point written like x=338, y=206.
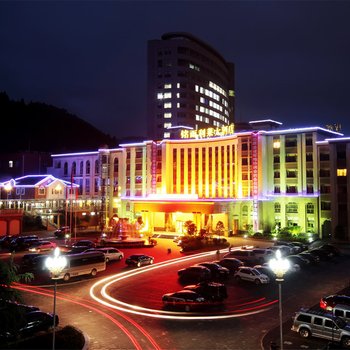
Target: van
x=83, y=264
x=321, y=324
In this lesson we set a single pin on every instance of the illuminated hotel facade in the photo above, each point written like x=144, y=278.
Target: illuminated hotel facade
x=253, y=180
x=190, y=85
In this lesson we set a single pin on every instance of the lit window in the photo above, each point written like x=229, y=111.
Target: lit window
x=178, y=85
x=178, y=105
x=167, y=105
x=167, y=86
x=167, y=135
x=160, y=96
x=276, y=144
x=231, y=93
x=167, y=115
x=10, y=163
x=341, y=172
x=167, y=125
x=167, y=95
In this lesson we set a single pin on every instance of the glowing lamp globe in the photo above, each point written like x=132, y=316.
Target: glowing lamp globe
x=56, y=263
x=279, y=265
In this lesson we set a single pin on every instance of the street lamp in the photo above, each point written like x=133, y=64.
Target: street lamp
x=279, y=266
x=55, y=265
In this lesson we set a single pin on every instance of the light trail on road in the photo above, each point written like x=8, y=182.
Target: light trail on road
x=84, y=302
x=114, y=303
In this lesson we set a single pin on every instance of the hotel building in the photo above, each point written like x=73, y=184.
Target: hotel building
x=190, y=85
x=254, y=180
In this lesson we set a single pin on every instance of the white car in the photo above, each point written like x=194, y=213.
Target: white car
x=284, y=249
x=252, y=275
x=109, y=252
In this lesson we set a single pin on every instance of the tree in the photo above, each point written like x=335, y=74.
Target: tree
x=11, y=318
x=190, y=227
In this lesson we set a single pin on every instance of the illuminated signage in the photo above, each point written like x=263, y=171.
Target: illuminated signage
x=208, y=132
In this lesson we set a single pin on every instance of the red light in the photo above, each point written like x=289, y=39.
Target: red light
x=323, y=304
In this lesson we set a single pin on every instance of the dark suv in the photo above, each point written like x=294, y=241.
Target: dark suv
x=209, y=290
x=194, y=273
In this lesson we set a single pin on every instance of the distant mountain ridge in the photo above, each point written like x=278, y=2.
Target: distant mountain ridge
x=40, y=127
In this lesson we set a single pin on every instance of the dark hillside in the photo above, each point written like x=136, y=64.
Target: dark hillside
x=40, y=127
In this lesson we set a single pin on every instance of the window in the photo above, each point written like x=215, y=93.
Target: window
x=309, y=189
x=88, y=167
x=41, y=190
x=310, y=208
x=329, y=324
x=167, y=115
x=341, y=172
x=304, y=318
x=318, y=321
x=291, y=189
x=116, y=165
x=292, y=207
x=96, y=166
x=277, y=189
x=167, y=135
x=167, y=105
x=81, y=171
x=20, y=191
x=65, y=168
x=10, y=163
x=74, y=168
x=277, y=207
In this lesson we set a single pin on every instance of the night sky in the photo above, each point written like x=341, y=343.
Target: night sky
x=292, y=59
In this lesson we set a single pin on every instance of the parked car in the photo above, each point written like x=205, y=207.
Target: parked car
x=330, y=301
x=298, y=260
x=209, y=290
x=308, y=322
x=184, y=299
x=33, y=262
x=331, y=249
x=21, y=243
x=194, y=273
x=284, y=249
x=322, y=254
x=294, y=249
x=252, y=275
x=110, y=253
x=5, y=241
x=266, y=271
x=217, y=271
x=14, y=305
x=82, y=245
x=232, y=264
x=313, y=259
x=301, y=245
x=245, y=255
x=40, y=246
x=139, y=260
x=61, y=232
x=36, y=321
x=263, y=255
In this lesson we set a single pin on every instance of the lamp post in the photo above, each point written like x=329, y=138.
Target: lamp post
x=55, y=265
x=279, y=266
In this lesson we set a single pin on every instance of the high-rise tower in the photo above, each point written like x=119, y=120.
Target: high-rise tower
x=190, y=85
